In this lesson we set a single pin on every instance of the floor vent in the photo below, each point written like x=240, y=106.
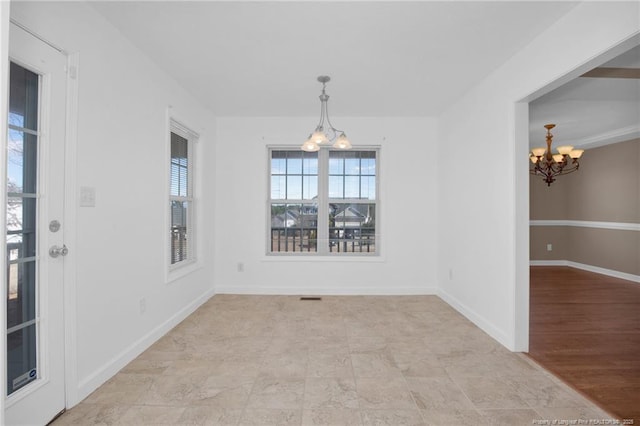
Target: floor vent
x=311, y=298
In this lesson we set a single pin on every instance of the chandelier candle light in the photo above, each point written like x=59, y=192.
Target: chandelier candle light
x=550, y=165
x=323, y=136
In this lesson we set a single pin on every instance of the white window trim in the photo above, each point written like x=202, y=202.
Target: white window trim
x=323, y=254
x=192, y=263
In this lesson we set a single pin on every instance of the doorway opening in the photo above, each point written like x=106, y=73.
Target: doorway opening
x=579, y=240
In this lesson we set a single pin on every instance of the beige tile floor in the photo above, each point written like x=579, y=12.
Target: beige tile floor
x=277, y=360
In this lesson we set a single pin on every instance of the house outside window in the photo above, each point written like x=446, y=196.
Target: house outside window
x=181, y=196
x=323, y=203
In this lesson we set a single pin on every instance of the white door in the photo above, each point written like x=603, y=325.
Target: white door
x=34, y=390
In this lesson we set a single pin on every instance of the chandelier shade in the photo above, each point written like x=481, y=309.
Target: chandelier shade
x=550, y=165
x=325, y=133
x=342, y=142
x=310, y=146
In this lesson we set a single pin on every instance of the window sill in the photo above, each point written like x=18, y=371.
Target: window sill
x=316, y=258
x=175, y=272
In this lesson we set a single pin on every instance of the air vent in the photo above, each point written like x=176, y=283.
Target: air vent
x=311, y=298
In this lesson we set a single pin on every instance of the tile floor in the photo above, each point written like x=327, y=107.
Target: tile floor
x=276, y=360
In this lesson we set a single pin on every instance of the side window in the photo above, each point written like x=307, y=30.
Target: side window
x=181, y=198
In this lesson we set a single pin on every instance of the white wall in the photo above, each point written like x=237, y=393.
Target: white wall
x=407, y=193
x=483, y=195
x=119, y=251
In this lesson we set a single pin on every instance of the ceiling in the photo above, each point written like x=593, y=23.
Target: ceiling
x=589, y=111
x=385, y=58
x=242, y=58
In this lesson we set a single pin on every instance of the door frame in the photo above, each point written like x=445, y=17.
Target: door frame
x=4, y=107
x=70, y=220
x=69, y=207
x=520, y=132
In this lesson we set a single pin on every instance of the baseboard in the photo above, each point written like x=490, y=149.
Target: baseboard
x=549, y=262
x=590, y=268
x=477, y=319
x=329, y=291
x=98, y=378
x=620, y=226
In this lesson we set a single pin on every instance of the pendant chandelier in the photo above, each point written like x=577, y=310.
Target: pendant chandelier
x=325, y=133
x=550, y=165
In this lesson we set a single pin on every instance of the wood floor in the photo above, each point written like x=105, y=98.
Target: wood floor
x=585, y=328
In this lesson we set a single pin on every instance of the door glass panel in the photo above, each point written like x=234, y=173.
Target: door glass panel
x=22, y=177
x=22, y=156
x=21, y=226
x=21, y=358
x=23, y=98
x=21, y=281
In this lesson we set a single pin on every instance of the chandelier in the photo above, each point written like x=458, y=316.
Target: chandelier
x=323, y=135
x=550, y=165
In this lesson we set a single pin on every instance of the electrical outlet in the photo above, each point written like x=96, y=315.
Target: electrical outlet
x=549, y=247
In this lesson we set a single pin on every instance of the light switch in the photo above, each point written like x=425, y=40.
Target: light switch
x=87, y=196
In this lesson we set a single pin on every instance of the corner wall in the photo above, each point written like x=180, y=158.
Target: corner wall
x=407, y=222
x=482, y=257
x=122, y=133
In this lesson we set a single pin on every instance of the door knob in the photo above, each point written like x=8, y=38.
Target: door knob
x=56, y=251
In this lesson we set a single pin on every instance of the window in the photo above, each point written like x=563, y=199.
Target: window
x=323, y=202
x=352, y=201
x=294, y=201
x=181, y=199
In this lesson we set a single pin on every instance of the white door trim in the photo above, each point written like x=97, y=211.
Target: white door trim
x=70, y=221
x=4, y=80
